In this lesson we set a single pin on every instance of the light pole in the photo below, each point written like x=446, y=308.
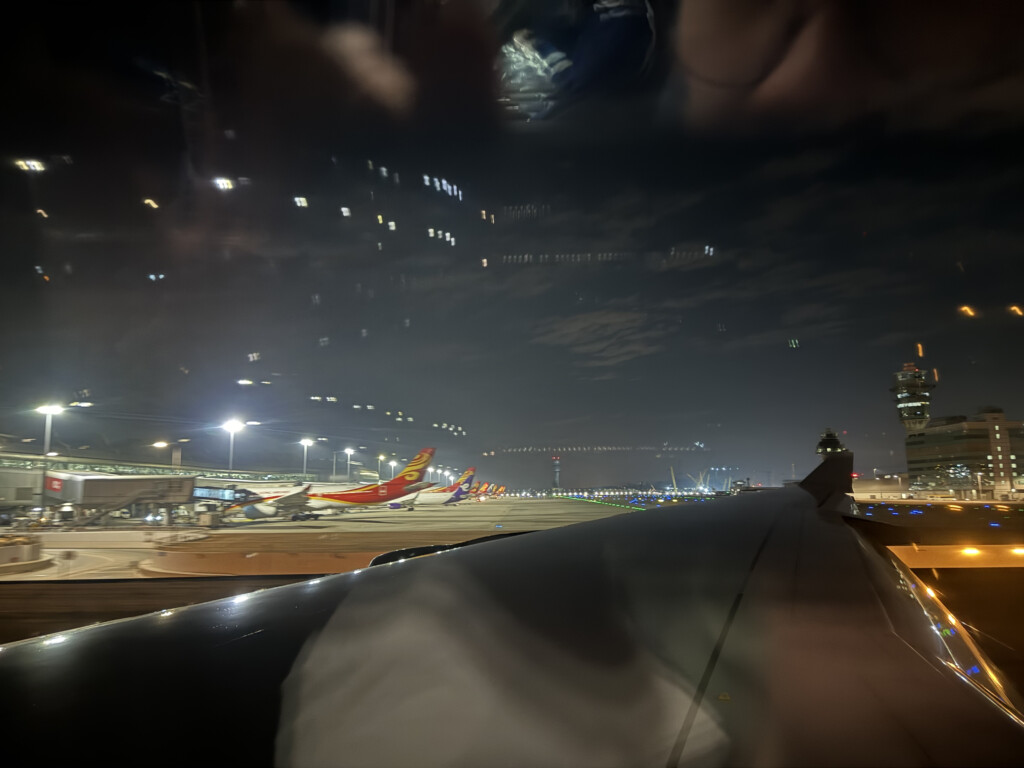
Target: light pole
x=348, y=470
x=231, y=426
x=49, y=411
x=175, y=451
x=979, y=485
x=380, y=458
x=305, y=443
x=392, y=464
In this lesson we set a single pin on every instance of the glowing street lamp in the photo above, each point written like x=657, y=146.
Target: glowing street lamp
x=175, y=451
x=392, y=464
x=305, y=443
x=231, y=426
x=348, y=470
x=49, y=411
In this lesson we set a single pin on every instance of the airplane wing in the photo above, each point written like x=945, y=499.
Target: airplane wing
x=294, y=499
x=752, y=629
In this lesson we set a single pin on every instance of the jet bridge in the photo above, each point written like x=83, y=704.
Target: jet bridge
x=103, y=493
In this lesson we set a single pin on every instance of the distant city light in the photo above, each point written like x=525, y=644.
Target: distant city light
x=483, y=215
x=380, y=218
x=345, y=212
x=223, y=183
x=160, y=444
x=301, y=202
x=430, y=231
x=426, y=180
x=391, y=226
x=35, y=166
x=920, y=349
x=483, y=262
x=1015, y=310
x=245, y=382
x=967, y=311
x=453, y=241
x=42, y=213
x=151, y=203
x=253, y=423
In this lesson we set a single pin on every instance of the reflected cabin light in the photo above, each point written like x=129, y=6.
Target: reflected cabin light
x=967, y=311
x=42, y=213
x=346, y=212
x=31, y=165
x=245, y=382
x=1017, y=550
x=151, y=203
x=1015, y=310
x=223, y=183
x=971, y=551
x=391, y=226
x=301, y=202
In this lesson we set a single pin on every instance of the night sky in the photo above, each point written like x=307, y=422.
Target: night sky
x=821, y=203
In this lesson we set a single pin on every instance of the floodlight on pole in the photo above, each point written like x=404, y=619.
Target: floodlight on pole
x=305, y=443
x=392, y=464
x=348, y=471
x=231, y=426
x=380, y=458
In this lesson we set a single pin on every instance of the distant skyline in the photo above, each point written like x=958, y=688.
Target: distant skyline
x=833, y=257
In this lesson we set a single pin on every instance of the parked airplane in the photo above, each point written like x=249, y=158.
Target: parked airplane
x=305, y=501
x=449, y=495
x=755, y=629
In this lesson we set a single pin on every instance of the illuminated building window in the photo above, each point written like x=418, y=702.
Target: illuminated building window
x=426, y=180
x=301, y=202
x=391, y=226
x=430, y=232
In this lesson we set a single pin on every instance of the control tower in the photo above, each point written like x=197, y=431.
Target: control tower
x=913, y=391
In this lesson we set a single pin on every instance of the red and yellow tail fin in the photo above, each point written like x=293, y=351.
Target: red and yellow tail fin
x=415, y=470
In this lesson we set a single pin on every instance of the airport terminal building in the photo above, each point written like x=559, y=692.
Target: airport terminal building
x=971, y=456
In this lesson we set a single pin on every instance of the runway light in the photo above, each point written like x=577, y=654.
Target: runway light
x=971, y=551
x=967, y=311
